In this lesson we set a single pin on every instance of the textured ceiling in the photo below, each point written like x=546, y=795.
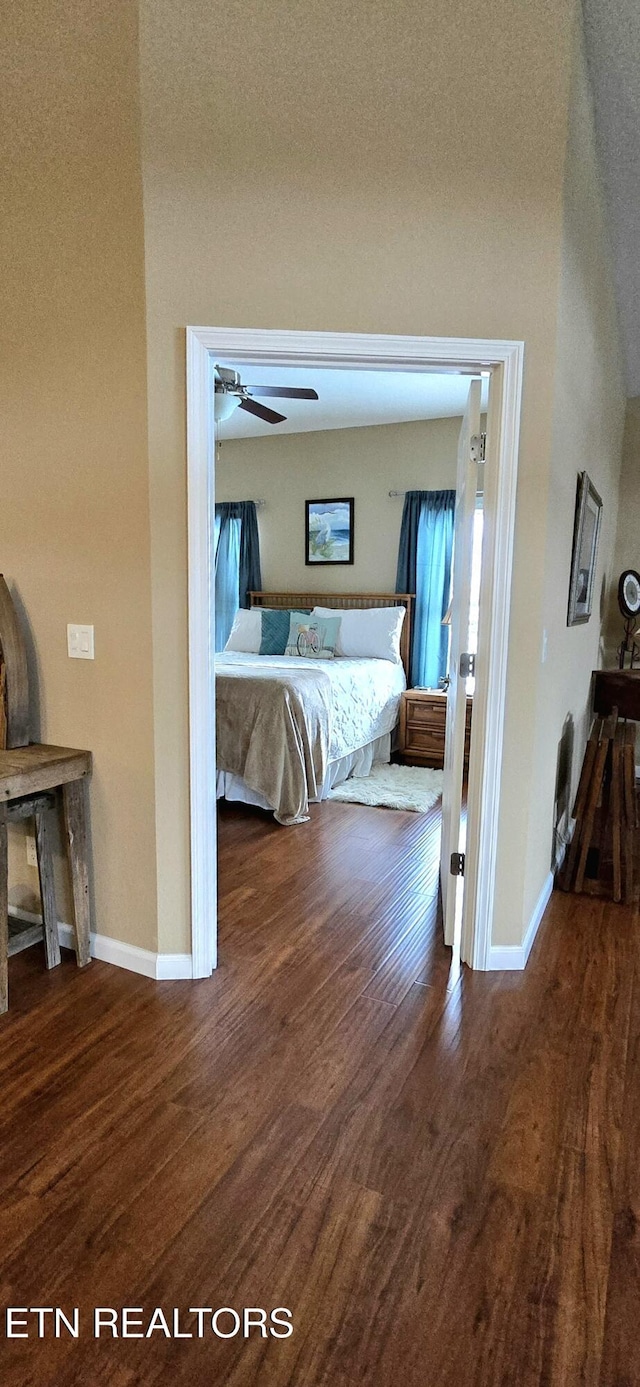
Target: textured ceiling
x=612, y=29
x=349, y=399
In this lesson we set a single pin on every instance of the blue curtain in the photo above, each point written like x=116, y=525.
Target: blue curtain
x=237, y=562
x=424, y=568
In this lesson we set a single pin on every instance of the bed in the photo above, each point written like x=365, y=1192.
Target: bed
x=290, y=730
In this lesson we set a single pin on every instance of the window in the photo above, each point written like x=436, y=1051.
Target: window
x=227, y=569
x=237, y=562
x=424, y=568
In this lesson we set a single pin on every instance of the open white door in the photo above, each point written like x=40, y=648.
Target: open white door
x=466, y=487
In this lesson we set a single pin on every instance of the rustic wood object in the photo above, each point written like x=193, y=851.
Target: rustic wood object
x=32, y=778
x=616, y=812
x=580, y=804
x=586, y=828
x=15, y=715
x=4, y=911
x=31, y=769
x=342, y=600
x=617, y=688
x=47, y=885
x=605, y=814
x=3, y=703
x=423, y=718
x=76, y=821
x=630, y=817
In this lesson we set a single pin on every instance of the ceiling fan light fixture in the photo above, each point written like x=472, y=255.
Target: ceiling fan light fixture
x=230, y=394
x=224, y=404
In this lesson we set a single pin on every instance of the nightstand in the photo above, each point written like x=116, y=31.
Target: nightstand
x=423, y=715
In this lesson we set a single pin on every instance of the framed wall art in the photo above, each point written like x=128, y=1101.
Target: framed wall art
x=329, y=530
x=585, y=551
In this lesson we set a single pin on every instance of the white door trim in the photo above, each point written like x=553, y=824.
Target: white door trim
x=202, y=721
x=504, y=359
x=487, y=725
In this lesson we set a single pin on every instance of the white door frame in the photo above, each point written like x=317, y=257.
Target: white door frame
x=504, y=361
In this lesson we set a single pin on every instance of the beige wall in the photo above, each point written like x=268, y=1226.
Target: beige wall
x=352, y=168
x=74, y=517
x=588, y=420
x=627, y=546
x=365, y=463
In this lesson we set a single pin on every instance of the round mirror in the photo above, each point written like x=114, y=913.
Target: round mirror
x=629, y=592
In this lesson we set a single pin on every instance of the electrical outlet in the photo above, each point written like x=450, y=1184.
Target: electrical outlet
x=32, y=856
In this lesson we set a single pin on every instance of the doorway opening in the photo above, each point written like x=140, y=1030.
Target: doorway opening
x=500, y=364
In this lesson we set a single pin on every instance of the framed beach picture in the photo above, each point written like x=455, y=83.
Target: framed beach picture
x=585, y=551
x=329, y=530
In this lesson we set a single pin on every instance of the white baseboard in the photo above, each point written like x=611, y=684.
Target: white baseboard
x=173, y=967
x=161, y=967
x=513, y=957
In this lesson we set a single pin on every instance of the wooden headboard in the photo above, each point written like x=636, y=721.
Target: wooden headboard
x=340, y=600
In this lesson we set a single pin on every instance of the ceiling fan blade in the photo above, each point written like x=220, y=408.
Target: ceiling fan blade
x=283, y=392
x=262, y=412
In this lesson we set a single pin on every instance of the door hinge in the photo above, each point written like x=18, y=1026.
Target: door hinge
x=467, y=665
x=457, y=864
x=478, y=447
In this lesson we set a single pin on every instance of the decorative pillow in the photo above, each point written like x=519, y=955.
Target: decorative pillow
x=313, y=637
x=246, y=632
x=275, y=630
x=369, y=632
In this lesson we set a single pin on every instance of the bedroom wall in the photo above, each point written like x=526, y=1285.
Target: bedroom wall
x=588, y=421
x=352, y=168
x=365, y=463
x=74, y=515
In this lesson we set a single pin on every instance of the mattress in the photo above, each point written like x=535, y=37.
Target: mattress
x=364, y=694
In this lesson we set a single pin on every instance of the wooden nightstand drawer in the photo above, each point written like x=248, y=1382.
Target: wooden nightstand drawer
x=421, y=712
x=429, y=740
x=423, y=717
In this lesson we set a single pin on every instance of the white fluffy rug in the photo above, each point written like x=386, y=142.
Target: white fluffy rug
x=393, y=787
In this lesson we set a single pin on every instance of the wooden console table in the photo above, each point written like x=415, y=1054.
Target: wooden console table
x=31, y=778
x=617, y=688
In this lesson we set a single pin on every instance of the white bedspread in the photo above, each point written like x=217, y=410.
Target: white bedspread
x=365, y=694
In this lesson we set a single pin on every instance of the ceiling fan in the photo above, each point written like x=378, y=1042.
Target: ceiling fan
x=231, y=394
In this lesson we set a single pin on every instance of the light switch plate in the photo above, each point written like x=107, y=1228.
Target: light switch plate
x=32, y=856
x=80, y=642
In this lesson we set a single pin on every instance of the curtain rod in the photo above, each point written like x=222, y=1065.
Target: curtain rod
x=397, y=493
x=245, y=503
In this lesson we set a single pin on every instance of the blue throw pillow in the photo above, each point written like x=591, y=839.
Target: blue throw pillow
x=275, y=630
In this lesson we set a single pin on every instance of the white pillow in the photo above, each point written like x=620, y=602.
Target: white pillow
x=246, y=632
x=371, y=633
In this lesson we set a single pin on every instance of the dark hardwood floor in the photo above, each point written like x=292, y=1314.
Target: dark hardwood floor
x=438, y=1174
